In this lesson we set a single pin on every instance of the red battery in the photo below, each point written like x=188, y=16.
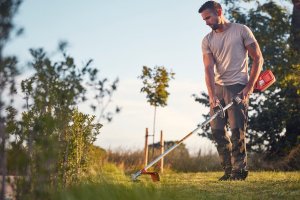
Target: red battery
x=265, y=80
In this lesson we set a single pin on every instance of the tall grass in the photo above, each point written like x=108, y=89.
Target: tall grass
x=179, y=160
x=125, y=159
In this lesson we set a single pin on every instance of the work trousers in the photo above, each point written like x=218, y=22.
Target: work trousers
x=232, y=150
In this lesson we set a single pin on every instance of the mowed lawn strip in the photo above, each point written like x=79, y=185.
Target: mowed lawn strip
x=259, y=185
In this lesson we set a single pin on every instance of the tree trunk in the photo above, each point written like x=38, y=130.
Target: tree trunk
x=30, y=154
x=154, y=120
x=65, y=159
x=296, y=25
x=3, y=160
x=30, y=151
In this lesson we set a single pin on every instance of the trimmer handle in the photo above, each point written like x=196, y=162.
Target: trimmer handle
x=219, y=109
x=236, y=99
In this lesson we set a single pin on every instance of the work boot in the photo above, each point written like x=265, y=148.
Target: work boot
x=239, y=175
x=225, y=177
x=227, y=174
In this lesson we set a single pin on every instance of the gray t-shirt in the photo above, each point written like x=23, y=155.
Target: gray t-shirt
x=230, y=53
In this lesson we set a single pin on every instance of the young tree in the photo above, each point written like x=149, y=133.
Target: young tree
x=155, y=84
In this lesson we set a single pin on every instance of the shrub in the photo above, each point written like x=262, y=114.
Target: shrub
x=292, y=161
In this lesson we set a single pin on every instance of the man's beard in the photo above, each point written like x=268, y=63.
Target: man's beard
x=214, y=26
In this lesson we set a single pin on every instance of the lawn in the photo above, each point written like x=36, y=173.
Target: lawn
x=205, y=185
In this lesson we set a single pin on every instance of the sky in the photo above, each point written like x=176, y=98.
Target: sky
x=121, y=37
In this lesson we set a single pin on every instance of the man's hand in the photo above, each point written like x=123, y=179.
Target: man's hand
x=246, y=92
x=214, y=101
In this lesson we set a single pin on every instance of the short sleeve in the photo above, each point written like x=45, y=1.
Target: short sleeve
x=248, y=36
x=205, y=46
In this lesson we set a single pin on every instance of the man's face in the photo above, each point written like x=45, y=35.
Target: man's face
x=211, y=18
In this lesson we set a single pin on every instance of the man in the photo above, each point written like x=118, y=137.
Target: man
x=225, y=56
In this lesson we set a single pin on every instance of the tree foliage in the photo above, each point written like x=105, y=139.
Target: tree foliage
x=155, y=84
x=8, y=72
x=274, y=114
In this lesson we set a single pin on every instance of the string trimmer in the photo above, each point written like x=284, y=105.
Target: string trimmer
x=220, y=111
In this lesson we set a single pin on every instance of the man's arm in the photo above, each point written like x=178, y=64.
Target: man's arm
x=209, y=63
x=256, y=55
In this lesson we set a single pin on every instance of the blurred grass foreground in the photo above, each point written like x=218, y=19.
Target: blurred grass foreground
x=184, y=177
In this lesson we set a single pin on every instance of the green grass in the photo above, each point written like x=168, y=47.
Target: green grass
x=259, y=185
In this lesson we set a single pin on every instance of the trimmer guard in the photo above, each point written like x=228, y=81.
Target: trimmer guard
x=154, y=175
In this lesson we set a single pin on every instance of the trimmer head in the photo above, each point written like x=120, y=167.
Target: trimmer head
x=154, y=175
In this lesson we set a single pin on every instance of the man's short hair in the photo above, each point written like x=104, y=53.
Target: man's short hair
x=212, y=5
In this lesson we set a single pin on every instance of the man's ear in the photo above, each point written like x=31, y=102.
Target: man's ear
x=219, y=12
